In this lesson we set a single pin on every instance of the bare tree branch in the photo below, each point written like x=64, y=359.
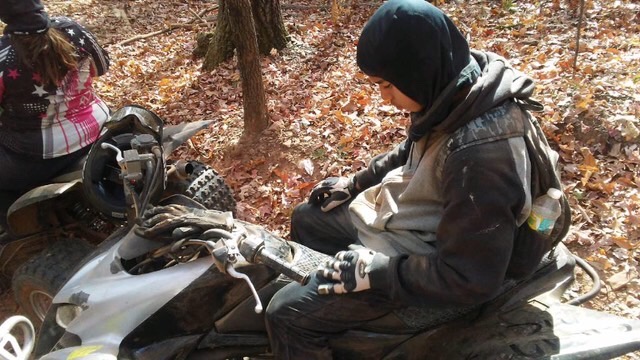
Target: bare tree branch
x=171, y=27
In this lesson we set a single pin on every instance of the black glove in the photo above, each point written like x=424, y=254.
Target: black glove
x=347, y=272
x=179, y=221
x=333, y=192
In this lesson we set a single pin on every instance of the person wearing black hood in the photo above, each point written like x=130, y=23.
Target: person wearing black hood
x=439, y=222
x=49, y=112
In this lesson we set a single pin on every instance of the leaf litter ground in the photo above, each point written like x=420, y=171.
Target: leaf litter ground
x=327, y=120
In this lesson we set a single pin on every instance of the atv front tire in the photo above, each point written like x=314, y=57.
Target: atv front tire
x=207, y=187
x=36, y=282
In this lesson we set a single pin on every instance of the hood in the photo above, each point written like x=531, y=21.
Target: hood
x=498, y=82
x=414, y=46
x=417, y=48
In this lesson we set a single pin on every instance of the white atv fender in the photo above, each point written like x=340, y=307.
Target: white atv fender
x=22, y=216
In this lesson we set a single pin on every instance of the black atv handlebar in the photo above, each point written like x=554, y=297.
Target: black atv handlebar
x=253, y=249
x=230, y=245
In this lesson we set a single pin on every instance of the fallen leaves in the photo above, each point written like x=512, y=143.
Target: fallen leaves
x=588, y=166
x=327, y=120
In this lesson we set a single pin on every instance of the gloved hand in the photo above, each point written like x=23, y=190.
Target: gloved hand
x=332, y=192
x=179, y=221
x=348, y=271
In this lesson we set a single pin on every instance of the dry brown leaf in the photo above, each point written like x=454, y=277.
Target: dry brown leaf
x=623, y=242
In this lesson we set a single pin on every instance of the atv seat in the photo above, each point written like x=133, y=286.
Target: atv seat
x=71, y=173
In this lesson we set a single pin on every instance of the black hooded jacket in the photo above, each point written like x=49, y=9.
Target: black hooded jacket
x=477, y=195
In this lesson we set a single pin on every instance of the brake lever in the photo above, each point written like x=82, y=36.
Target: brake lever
x=119, y=157
x=226, y=251
x=238, y=275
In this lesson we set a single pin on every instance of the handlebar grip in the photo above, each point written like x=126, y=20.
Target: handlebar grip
x=263, y=256
x=253, y=249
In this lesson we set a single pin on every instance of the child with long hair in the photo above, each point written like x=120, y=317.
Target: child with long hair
x=49, y=111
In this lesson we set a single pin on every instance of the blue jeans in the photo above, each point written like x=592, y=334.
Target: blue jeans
x=301, y=322
x=326, y=232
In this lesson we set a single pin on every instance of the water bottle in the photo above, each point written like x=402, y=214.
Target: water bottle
x=544, y=212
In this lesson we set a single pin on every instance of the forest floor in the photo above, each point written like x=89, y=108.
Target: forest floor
x=327, y=120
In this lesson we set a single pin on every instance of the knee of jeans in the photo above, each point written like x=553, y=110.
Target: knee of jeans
x=300, y=208
x=300, y=214
x=272, y=312
x=280, y=310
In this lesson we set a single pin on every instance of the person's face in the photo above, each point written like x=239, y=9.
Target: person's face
x=393, y=95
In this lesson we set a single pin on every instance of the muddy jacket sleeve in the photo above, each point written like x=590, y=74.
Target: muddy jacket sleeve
x=484, y=195
x=380, y=165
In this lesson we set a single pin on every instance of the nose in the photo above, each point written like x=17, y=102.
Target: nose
x=385, y=94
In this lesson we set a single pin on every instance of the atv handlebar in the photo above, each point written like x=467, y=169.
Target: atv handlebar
x=226, y=250
x=144, y=161
x=253, y=249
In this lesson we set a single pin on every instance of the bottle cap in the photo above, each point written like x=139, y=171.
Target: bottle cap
x=554, y=193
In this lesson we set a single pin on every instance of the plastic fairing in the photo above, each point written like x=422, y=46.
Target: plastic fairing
x=103, y=289
x=84, y=352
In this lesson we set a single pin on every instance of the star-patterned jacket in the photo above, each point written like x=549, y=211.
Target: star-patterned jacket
x=48, y=121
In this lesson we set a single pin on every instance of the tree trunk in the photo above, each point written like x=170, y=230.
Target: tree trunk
x=221, y=46
x=269, y=26
x=270, y=29
x=244, y=36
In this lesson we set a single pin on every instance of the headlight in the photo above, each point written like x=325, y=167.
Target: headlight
x=66, y=314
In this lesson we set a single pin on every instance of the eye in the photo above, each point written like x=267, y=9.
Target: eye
x=385, y=85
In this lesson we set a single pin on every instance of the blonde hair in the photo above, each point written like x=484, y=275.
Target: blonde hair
x=49, y=54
